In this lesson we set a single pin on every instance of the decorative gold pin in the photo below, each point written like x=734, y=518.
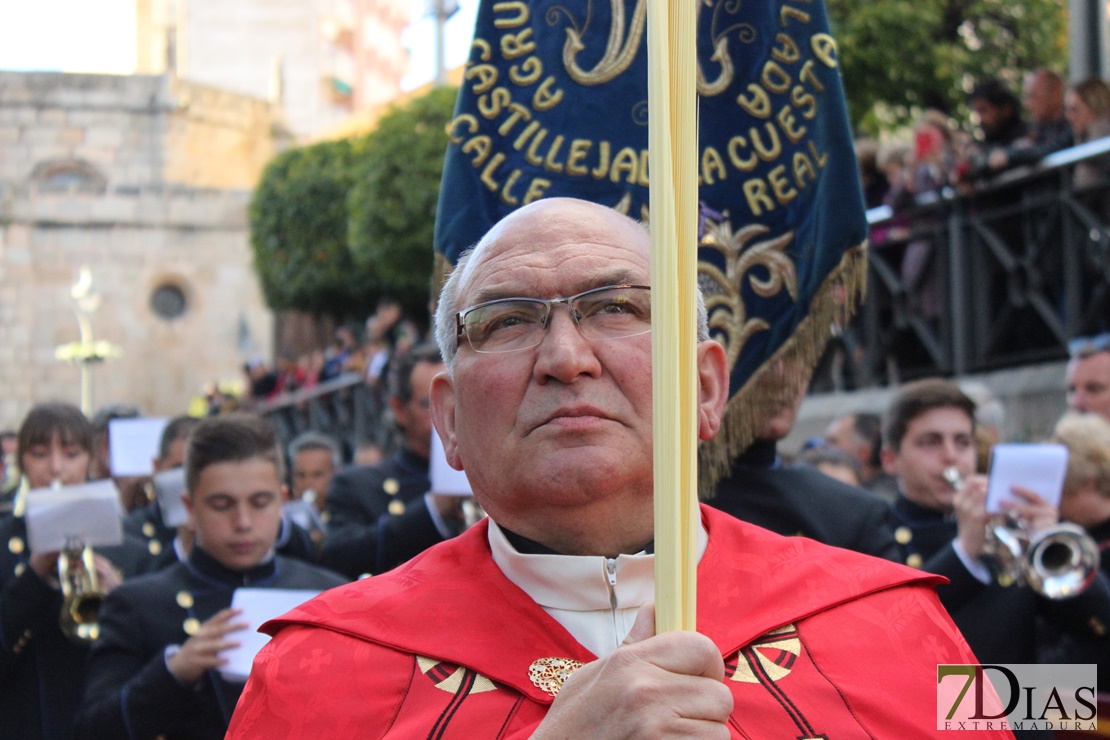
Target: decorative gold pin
x=15, y=544
x=185, y=599
x=396, y=507
x=191, y=626
x=391, y=486
x=549, y=674
x=903, y=535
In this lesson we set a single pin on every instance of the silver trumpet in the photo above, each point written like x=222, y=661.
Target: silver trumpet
x=1058, y=563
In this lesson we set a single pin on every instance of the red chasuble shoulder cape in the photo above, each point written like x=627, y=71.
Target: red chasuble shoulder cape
x=817, y=642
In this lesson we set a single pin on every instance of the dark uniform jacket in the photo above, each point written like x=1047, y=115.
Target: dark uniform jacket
x=42, y=672
x=1000, y=623
x=377, y=517
x=145, y=524
x=800, y=500
x=130, y=691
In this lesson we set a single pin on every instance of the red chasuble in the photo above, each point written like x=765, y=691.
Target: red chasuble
x=818, y=642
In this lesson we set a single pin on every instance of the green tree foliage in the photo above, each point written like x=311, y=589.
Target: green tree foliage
x=898, y=56
x=298, y=221
x=393, y=202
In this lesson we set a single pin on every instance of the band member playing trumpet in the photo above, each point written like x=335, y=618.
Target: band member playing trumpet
x=153, y=670
x=928, y=445
x=41, y=670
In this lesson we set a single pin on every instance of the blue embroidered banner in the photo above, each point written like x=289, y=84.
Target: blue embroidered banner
x=554, y=103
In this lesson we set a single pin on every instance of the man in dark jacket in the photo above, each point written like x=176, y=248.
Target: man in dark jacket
x=154, y=669
x=801, y=500
x=378, y=509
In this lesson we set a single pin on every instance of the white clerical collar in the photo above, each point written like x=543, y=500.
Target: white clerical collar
x=580, y=582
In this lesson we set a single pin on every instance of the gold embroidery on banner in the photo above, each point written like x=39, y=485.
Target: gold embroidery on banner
x=619, y=52
x=728, y=317
x=549, y=674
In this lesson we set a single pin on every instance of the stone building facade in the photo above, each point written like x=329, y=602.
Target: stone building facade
x=320, y=60
x=145, y=180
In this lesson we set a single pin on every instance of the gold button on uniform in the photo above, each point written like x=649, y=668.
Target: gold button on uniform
x=396, y=507
x=155, y=547
x=19, y=570
x=914, y=560
x=191, y=626
x=148, y=529
x=903, y=535
x=391, y=486
x=184, y=599
x=15, y=544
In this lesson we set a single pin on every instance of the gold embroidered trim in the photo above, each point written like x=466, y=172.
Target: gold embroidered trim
x=549, y=674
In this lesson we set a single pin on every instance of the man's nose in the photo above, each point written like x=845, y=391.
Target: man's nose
x=242, y=518
x=564, y=354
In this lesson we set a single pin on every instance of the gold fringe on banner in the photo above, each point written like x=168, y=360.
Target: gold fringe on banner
x=784, y=375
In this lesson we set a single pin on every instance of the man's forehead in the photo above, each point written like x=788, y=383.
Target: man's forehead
x=942, y=418
x=576, y=239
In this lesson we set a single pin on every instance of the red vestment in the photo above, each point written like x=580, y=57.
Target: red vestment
x=817, y=641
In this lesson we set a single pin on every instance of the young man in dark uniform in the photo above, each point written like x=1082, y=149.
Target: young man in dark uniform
x=370, y=504
x=153, y=671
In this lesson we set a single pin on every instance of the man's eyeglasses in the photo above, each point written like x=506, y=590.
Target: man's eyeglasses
x=510, y=324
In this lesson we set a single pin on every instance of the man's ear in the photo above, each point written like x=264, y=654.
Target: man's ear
x=400, y=411
x=712, y=388
x=889, y=459
x=443, y=417
x=188, y=501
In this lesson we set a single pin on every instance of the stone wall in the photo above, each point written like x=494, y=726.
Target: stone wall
x=146, y=181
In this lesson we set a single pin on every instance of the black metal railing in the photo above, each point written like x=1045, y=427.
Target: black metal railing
x=959, y=283
x=999, y=277
x=344, y=408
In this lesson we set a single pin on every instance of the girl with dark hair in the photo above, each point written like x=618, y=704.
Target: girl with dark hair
x=42, y=672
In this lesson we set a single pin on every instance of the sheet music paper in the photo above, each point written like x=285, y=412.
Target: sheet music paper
x=90, y=511
x=133, y=444
x=169, y=486
x=1038, y=467
x=446, y=480
x=259, y=605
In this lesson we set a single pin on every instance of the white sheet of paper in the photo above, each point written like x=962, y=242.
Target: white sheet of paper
x=169, y=485
x=134, y=445
x=445, y=479
x=90, y=511
x=1038, y=467
x=259, y=605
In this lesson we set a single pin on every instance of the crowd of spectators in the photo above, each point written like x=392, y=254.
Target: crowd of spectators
x=1004, y=132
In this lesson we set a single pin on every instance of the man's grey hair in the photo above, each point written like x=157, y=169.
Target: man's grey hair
x=448, y=307
x=314, y=441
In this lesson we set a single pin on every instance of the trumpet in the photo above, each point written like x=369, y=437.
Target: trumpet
x=81, y=593
x=1058, y=563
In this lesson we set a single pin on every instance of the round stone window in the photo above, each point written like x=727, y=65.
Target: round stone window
x=168, y=302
